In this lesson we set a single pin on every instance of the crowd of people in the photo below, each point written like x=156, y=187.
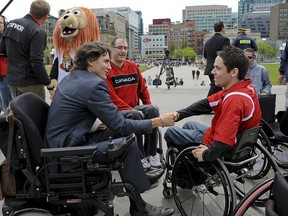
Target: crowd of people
x=107, y=96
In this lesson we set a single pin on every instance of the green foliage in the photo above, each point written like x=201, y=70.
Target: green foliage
x=187, y=52
x=266, y=50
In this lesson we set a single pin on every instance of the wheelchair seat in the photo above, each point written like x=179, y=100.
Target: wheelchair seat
x=85, y=189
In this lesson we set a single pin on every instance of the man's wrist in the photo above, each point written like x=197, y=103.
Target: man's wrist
x=50, y=87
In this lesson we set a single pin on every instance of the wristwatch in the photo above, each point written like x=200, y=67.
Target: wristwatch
x=50, y=88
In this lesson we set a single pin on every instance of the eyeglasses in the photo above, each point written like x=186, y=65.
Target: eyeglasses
x=250, y=57
x=121, y=47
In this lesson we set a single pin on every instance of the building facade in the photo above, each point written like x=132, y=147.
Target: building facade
x=132, y=29
x=279, y=18
x=153, y=46
x=206, y=16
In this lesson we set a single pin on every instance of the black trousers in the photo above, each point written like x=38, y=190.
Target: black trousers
x=150, y=140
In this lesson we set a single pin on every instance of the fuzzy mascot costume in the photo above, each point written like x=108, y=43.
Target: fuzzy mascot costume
x=75, y=27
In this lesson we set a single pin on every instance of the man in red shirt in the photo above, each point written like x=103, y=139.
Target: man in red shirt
x=236, y=109
x=126, y=88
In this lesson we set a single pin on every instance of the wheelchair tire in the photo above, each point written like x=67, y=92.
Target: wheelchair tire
x=201, y=188
x=264, y=167
x=247, y=206
x=31, y=212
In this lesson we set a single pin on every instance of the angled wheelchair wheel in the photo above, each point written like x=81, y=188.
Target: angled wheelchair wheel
x=201, y=188
x=280, y=153
x=257, y=171
x=247, y=206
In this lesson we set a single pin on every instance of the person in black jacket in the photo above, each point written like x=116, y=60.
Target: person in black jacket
x=24, y=42
x=212, y=46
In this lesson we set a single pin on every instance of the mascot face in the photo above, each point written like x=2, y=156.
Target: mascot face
x=71, y=22
x=72, y=29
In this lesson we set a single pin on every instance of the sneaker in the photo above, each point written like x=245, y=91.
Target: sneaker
x=154, y=161
x=145, y=163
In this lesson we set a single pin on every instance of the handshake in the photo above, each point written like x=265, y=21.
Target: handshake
x=166, y=119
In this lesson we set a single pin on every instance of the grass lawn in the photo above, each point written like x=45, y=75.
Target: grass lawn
x=273, y=72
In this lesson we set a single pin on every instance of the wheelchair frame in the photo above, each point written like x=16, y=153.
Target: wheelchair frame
x=84, y=189
x=227, y=178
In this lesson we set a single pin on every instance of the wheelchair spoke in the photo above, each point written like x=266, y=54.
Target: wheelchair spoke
x=200, y=184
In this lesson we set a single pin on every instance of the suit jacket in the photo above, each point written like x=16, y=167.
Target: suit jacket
x=212, y=46
x=81, y=97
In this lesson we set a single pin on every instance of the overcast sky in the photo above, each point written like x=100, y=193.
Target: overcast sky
x=151, y=9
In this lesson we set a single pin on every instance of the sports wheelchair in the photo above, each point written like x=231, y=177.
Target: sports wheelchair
x=206, y=188
x=275, y=191
x=270, y=125
x=86, y=188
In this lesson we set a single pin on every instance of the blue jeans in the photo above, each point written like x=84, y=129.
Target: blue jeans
x=5, y=93
x=190, y=132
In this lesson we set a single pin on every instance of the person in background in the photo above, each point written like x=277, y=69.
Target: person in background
x=5, y=93
x=212, y=46
x=283, y=70
x=258, y=74
x=236, y=109
x=127, y=88
x=24, y=42
x=193, y=74
x=243, y=41
x=149, y=80
x=80, y=99
x=181, y=82
x=157, y=81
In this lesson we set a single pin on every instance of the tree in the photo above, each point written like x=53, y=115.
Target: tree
x=188, y=53
x=266, y=50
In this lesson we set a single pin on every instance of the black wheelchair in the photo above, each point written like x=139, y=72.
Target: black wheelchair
x=42, y=188
x=270, y=124
x=206, y=188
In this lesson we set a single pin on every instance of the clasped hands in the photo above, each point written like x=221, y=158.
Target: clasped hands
x=167, y=119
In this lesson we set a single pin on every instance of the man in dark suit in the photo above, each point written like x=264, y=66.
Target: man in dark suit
x=212, y=46
x=81, y=98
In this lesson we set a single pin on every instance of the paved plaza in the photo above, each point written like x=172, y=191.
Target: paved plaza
x=171, y=100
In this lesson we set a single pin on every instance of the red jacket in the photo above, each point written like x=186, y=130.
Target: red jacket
x=3, y=66
x=236, y=110
x=127, y=86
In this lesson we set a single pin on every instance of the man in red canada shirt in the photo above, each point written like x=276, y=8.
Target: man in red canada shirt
x=127, y=88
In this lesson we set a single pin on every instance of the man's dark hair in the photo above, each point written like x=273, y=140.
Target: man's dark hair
x=218, y=26
x=234, y=57
x=89, y=52
x=39, y=9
